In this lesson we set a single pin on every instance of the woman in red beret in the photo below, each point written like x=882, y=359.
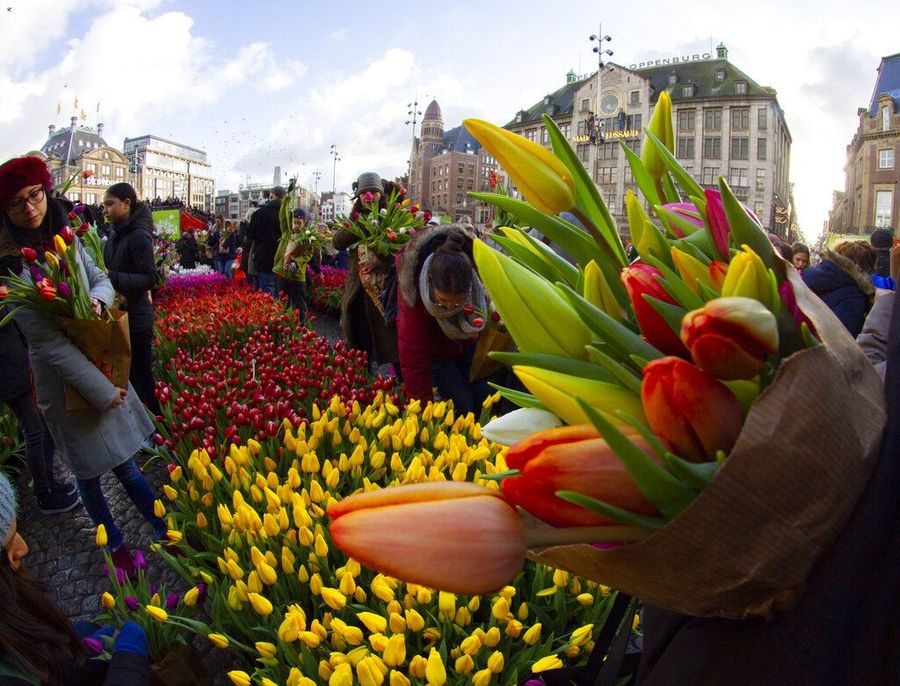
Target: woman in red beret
x=95, y=441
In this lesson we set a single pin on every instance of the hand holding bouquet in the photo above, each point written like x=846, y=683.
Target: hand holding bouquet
x=384, y=231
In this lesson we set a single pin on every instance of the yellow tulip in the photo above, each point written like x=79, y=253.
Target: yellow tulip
x=464, y=664
x=333, y=598
x=260, y=604
x=447, y=603
x=557, y=391
x=218, y=640
x=538, y=317
x=496, y=662
x=581, y=635
x=373, y=622
x=492, y=637
x=395, y=652
x=398, y=679
x=101, y=538
x=661, y=127
x=411, y=531
x=585, y=599
x=435, y=672
x=107, y=601
x=597, y=291
x=51, y=259
x=543, y=179
x=500, y=609
x=546, y=663
x=648, y=239
x=157, y=613
x=748, y=277
x=368, y=673
x=191, y=596
x=691, y=270
x=267, y=574
x=482, y=677
x=418, y=666
x=342, y=676
x=533, y=635
x=59, y=244
x=239, y=678
x=265, y=649
x=414, y=620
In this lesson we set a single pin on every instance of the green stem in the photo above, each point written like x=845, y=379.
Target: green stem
x=543, y=537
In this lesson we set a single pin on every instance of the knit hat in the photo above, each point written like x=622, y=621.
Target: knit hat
x=882, y=239
x=19, y=172
x=7, y=505
x=369, y=181
x=300, y=213
x=278, y=191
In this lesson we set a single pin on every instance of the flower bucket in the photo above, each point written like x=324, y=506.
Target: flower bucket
x=747, y=544
x=107, y=344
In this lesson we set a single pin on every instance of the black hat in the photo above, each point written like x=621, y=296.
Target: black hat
x=278, y=191
x=882, y=239
x=369, y=181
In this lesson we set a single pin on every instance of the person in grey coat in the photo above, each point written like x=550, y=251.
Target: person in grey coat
x=95, y=441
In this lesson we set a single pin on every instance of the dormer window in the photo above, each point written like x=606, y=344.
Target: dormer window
x=518, y=117
x=673, y=79
x=740, y=88
x=720, y=74
x=688, y=90
x=885, y=118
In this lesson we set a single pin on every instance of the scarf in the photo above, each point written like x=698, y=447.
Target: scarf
x=454, y=323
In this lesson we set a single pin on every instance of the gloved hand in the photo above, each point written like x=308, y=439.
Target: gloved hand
x=292, y=267
x=131, y=639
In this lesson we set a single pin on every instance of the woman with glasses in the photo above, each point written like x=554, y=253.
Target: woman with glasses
x=441, y=311
x=92, y=442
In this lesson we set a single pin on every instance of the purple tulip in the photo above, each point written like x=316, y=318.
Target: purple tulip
x=139, y=560
x=121, y=576
x=36, y=273
x=93, y=645
x=201, y=595
x=78, y=209
x=131, y=603
x=63, y=289
x=172, y=601
x=152, y=588
x=63, y=267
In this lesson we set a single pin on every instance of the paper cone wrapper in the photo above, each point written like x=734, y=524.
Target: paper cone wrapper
x=749, y=541
x=107, y=344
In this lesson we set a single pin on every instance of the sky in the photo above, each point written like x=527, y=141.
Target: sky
x=279, y=83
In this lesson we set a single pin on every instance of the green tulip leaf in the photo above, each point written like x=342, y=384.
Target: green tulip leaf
x=744, y=230
x=706, y=292
x=641, y=176
x=520, y=398
x=686, y=226
x=611, y=511
x=697, y=475
x=669, y=188
x=684, y=179
x=525, y=257
x=666, y=493
x=625, y=376
x=554, y=363
x=675, y=287
x=672, y=314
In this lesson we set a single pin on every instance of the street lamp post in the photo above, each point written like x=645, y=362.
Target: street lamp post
x=414, y=114
x=595, y=122
x=336, y=156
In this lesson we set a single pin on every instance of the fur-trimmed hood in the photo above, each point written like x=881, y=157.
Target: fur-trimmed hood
x=821, y=278
x=416, y=252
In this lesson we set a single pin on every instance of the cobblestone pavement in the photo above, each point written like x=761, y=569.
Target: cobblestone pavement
x=63, y=555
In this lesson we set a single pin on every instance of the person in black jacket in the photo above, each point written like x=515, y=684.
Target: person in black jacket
x=129, y=260
x=187, y=248
x=38, y=645
x=263, y=235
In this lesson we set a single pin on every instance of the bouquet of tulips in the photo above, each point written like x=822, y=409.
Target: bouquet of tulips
x=385, y=230
x=90, y=237
x=667, y=444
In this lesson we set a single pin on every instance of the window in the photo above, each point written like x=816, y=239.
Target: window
x=720, y=74
x=759, y=208
x=460, y=168
x=585, y=104
x=688, y=90
x=712, y=148
x=740, y=118
x=530, y=134
x=566, y=130
x=545, y=136
x=459, y=198
x=120, y=172
x=760, y=148
x=90, y=198
x=740, y=148
x=886, y=119
x=471, y=169
x=90, y=166
x=633, y=122
x=886, y=158
x=737, y=178
x=459, y=182
x=607, y=175
x=685, y=149
x=710, y=176
x=582, y=151
x=673, y=79
x=629, y=175
x=104, y=169
x=634, y=144
x=740, y=88
x=760, y=179
x=581, y=128
x=883, y=202
x=634, y=98
x=712, y=119
x=762, y=122
x=686, y=120
x=608, y=151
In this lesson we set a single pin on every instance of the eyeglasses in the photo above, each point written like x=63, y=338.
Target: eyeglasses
x=17, y=205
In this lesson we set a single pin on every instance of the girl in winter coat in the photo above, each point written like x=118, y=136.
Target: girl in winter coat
x=95, y=441
x=38, y=645
x=843, y=280
x=128, y=254
x=440, y=314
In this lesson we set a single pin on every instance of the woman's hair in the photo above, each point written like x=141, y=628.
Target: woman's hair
x=35, y=635
x=799, y=247
x=786, y=251
x=451, y=265
x=123, y=191
x=861, y=253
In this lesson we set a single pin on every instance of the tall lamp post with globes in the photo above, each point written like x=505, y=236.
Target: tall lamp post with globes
x=414, y=114
x=337, y=157
x=595, y=121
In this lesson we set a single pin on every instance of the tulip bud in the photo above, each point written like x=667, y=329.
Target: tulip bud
x=28, y=254
x=572, y=458
x=131, y=603
x=691, y=270
x=67, y=234
x=641, y=280
x=660, y=126
x=718, y=222
x=731, y=338
x=64, y=290
x=107, y=601
x=543, y=179
x=101, y=538
x=648, y=239
x=692, y=411
x=748, y=277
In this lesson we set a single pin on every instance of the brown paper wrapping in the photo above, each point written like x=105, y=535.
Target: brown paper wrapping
x=107, y=344
x=749, y=541
x=489, y=340
x=373, y=271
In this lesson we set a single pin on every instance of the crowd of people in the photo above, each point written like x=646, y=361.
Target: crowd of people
x=422, y=310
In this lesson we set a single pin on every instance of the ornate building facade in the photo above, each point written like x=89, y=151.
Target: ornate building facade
x=445, y=166
x=725, y=124
x=869, y=200
x=165, y=169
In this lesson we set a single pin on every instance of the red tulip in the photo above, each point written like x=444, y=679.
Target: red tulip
x=4, y=292
x=67, y=235
x=717, y=273
x=402, y=191
x=641, y=280
x=572, y=458
x=86, y=174
x=692, y=411
x=731, y=338
x=28, y=254
x=478, y=322
x=454, y=536
x=45, y=289
x=468, y=309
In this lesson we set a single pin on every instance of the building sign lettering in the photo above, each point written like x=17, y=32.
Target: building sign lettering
x=609, y=135
x=672, y=60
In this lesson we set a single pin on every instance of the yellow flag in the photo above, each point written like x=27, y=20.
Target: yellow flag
x=83, y=115
x=58, y=108
x=75, y=104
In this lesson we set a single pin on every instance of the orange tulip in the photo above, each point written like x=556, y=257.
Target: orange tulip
x=453, y=536
x=572, y=458
x=731, y=338
x=692, y=411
